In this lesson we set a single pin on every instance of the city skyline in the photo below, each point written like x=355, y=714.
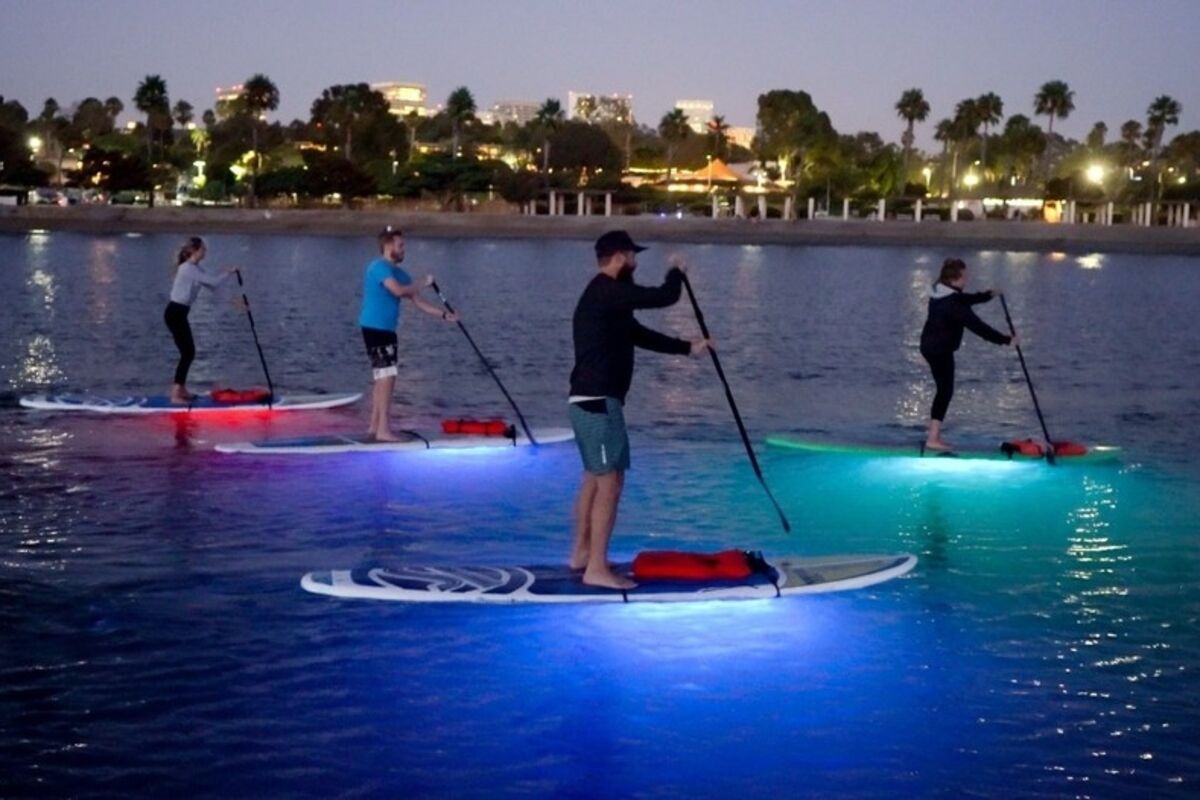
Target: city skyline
x=1115, y=56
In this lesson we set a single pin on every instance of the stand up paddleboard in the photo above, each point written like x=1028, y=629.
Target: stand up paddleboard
x=779, y=578
x=1001, y=452
x=161, y=404
x=324, y=445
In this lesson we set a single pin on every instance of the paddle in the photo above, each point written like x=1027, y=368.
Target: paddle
x=491, y=371
x=254, y=331
x=733, y=405
x=1029, y=382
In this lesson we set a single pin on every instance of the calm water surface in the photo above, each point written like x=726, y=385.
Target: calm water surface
x=154, y=640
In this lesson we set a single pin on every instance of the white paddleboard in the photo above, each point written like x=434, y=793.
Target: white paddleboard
x=558, y=584
x=161, y=404
x=325, y=445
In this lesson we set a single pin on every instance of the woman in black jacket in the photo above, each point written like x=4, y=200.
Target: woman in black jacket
x=950, y=312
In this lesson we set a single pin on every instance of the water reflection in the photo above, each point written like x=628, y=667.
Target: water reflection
x=1091, y=261
x=40, y=364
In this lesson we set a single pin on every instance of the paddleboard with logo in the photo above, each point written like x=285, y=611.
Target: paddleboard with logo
x=1004, y=451
x=161, y=404
x=410, y=440
x=773, y=578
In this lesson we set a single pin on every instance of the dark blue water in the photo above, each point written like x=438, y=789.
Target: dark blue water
x=154, y=640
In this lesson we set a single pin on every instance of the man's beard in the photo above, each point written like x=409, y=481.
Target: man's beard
x=626, y=273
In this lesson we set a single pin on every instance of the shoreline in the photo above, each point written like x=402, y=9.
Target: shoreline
x=982, y=234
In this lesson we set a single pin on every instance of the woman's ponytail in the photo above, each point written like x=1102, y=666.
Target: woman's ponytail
x=189, y=249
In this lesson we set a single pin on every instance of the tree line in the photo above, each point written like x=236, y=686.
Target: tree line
x=352, y=145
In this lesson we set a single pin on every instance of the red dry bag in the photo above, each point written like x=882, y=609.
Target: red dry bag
x=680, y=566
x=240, y=396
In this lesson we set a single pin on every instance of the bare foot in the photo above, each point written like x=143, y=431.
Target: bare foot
x=181, y=399
x=577, y=562
x=605, y=578
x=939, y=445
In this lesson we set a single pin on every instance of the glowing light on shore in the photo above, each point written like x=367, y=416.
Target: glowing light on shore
x=970, y=180
x=1095, y=173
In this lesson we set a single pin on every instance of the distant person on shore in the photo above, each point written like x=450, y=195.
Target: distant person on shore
x=385, y=284
x=949, y=313
x=190, y=276
x=605, y=334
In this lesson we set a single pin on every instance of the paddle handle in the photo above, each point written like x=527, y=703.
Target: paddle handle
x=254, y=332
x=492, y=372
x=1029, y=382
x=737, y=416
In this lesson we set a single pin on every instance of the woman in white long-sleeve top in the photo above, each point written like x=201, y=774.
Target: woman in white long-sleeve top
x=190, y=276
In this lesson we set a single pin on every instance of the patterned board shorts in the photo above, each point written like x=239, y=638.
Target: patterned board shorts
x=382, y=349
x=600, y=433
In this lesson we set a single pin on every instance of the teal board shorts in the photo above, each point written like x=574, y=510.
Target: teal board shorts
x=600, y=433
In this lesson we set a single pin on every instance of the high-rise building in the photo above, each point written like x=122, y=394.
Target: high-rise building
x=741, y=136
x=227, y=100
x=600, y=107
x=519, y=111
x=699, y=112
x=404, y=98
x=226, y=103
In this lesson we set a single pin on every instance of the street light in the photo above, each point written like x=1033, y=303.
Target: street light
x=35, y=144
x=1095, y=173
x=970, y=180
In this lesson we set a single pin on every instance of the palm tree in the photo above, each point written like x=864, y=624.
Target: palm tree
x=548, y=119
x=1162, y=112
x=460, y=109
x=1056, y=100
x=209, y=118
x=183, y=113
x=912, y=107
x=113, y=107
x=963, y=128
x=673, y=128
x=989, y=111
x=719, y=130
x=944, y=133
x=151, y=100
x=259, y=95
x=1131, y=132
x=1096, y=136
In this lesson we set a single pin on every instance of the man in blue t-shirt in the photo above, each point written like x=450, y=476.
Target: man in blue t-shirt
x=384, y=286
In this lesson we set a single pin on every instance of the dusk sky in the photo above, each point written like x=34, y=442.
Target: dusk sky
x=854, y=58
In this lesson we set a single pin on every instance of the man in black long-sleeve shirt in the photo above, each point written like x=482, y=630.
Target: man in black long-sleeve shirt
x=606, y=333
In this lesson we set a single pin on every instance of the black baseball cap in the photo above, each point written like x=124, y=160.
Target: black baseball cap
x=616, y=242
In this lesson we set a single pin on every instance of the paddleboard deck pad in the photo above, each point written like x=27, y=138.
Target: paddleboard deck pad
x=324, y=445
x=1092, y=454
x=558, y=584
x=161, y=404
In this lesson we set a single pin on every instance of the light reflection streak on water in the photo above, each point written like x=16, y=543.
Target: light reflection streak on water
x=1100, y=566
x=40, y=365
x=102, y=275
x=1091, y=261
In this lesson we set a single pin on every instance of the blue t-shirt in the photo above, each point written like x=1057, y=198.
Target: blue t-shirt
x=381, y=308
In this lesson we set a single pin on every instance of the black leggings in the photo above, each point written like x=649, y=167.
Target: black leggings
x=176, y=317
x=942, y=366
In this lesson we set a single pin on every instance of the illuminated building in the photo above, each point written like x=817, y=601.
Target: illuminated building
x=520, y=112
x=600, y=107
x=742, y=137
x=698, y=112
x=227, y=99
x=404, y=98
